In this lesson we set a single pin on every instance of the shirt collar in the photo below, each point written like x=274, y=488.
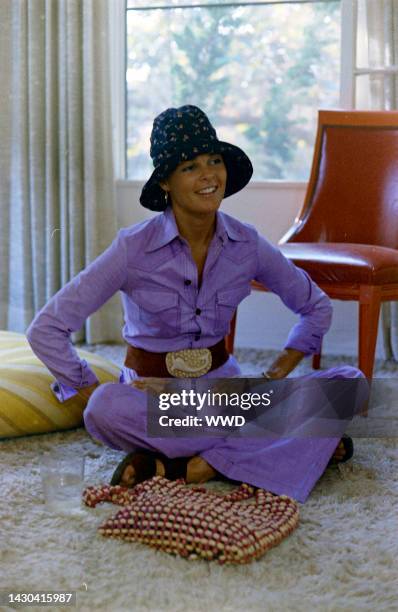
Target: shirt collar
x=166, y=230
x=227, y=227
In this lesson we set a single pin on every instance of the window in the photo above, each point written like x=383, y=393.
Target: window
x=375, y=69
x=260, y=70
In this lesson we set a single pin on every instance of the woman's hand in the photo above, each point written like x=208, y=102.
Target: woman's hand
x=285, y=362
x=153, y=385
x=86, y=392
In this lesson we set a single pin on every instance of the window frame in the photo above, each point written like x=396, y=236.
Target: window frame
x=118, y=51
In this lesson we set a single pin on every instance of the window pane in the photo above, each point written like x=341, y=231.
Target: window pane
x=376, y=91
x=260, y=73
x=133, y=4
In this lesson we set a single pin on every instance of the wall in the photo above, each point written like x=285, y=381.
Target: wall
x=263, y=321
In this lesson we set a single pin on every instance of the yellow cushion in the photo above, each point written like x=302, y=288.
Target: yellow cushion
x=27, y=404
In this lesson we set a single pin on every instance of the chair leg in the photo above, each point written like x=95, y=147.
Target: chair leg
x=369, y=311
x=230, y=339
x=386, y=327
x=316, y=359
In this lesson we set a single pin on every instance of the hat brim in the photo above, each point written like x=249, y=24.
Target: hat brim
x=238, y=165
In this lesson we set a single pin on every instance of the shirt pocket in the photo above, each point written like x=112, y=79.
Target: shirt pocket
x=227, y=302
x=159, y=311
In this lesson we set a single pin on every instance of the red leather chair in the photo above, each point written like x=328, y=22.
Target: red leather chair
x=346, y=234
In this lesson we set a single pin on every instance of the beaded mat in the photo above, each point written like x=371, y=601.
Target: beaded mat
x=195, y=523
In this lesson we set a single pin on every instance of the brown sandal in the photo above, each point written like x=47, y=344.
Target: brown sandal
x=349, y=451
x=144, y=464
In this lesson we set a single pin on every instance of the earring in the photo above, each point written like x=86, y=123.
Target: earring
x=166, y=197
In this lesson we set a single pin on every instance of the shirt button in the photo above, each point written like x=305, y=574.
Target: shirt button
x=187, y=282
x=198, y=311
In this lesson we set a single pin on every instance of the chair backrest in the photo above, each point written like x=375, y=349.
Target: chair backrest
x=352, y=195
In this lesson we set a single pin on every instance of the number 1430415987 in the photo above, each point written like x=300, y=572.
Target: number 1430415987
x=42, y=598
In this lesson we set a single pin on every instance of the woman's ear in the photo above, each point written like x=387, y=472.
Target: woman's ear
x=164, y=185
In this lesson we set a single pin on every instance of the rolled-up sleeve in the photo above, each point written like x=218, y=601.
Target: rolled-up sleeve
x=49, y=333
x=299, y=293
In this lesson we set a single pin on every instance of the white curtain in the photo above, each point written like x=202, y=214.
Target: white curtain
x=377, y=49
x=57, y=201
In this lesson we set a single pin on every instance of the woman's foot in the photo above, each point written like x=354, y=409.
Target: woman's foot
x=135, y=468
x=194, y=469
x=199, y=471
x=129, y=476
x=339, y=453
x=344, y=451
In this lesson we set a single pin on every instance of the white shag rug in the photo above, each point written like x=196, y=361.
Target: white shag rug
x=342, y=557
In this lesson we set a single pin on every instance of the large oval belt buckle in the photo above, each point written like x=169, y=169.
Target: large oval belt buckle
x=189, y=363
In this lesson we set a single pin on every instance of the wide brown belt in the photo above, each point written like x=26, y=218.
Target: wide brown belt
x=187, y=363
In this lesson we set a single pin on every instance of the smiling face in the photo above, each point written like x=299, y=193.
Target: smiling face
x=197, y=186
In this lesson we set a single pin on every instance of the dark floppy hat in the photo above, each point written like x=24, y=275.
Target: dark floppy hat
x=181, y=134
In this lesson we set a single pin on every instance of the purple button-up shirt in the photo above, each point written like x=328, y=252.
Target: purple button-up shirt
x=165, y=309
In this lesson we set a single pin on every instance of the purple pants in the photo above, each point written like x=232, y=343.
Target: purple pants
x=116, y=415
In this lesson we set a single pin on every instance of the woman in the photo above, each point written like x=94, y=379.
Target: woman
x=182, y=274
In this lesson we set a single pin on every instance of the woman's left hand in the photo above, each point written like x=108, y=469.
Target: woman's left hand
x=285, y=362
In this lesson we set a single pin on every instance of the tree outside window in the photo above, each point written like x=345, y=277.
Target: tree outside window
x=259, y=72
